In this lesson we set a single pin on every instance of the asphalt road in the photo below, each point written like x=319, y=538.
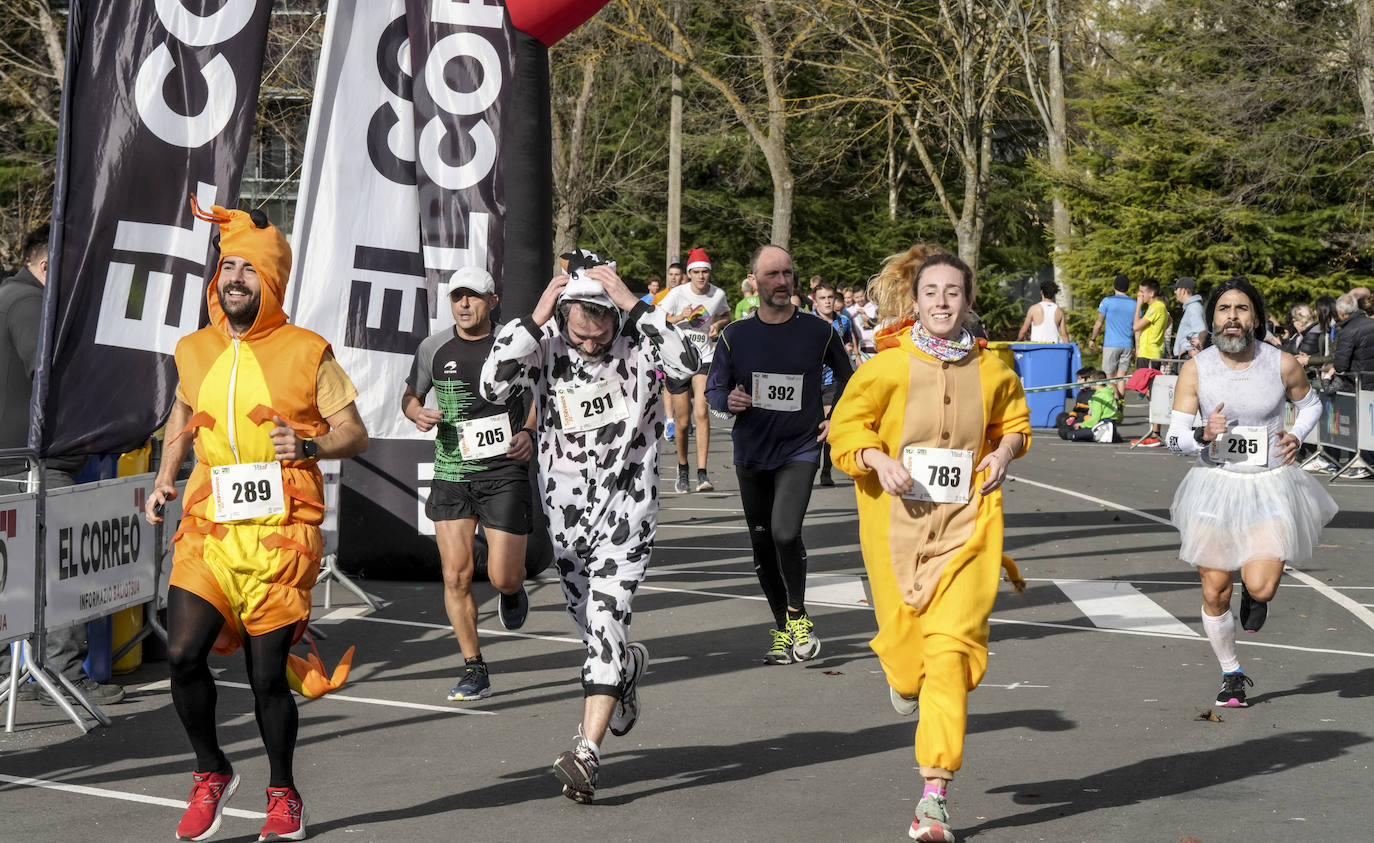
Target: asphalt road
x=1086, y=727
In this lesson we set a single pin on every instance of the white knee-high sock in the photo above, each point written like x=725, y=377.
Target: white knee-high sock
x=1221, y=633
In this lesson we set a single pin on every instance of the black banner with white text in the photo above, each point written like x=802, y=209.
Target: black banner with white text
x=158, y=104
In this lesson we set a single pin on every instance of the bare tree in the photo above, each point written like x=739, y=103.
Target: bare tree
x=31, y=66
x=1038, y=36
x=754, y=86
x=941, y=69
x=605, y=140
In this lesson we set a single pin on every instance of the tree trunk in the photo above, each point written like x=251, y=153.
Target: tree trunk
x=674, y=238
x=891, y=171
x=1364, y=61
x=1057, y=138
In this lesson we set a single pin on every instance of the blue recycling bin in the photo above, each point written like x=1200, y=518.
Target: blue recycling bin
x=1046, y=364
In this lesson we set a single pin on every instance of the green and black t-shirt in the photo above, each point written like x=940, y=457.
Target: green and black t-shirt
x=452, y=367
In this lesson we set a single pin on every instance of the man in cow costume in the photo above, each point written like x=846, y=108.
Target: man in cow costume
x=589, y=352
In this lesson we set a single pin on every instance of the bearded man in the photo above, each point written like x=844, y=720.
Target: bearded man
x=1244, y=506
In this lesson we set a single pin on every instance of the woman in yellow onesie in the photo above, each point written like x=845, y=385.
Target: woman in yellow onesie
x=927, y=428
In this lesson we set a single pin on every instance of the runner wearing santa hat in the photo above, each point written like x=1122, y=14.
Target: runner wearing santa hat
x=700, y=311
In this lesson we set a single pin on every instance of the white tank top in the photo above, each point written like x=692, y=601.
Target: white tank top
x=1046, y=331
x=1253, y=395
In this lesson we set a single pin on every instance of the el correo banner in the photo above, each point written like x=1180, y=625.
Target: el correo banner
x=100, y=555
x=158, y=104
x=463, y=56
x=359, y=276
x=18, y=541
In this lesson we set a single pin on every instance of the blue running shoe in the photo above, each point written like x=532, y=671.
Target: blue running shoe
x=475, y=684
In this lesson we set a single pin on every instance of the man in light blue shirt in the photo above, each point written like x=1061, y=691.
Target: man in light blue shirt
x=1193, y=324
x=1117, y=311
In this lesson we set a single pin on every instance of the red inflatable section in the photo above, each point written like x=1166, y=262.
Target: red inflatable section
x=550, y=20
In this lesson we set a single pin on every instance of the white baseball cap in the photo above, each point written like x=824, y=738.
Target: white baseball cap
x=473, y=278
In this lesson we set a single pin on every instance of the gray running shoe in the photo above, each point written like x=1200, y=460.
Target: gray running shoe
x=703, y=484
x=932, y=821
x=576, y=768
x=805, y=644
x=780, y=652
x=682, y=486
x=626, y=712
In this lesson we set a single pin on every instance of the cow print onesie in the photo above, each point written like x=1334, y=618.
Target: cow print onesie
x=599, y=487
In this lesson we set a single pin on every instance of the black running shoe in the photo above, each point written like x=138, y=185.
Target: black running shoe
x=1252, y=612
x=513, y=609
x=1232, y=693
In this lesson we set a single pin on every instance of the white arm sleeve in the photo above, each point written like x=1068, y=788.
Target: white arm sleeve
x=1309, y=409
x=1180, y=436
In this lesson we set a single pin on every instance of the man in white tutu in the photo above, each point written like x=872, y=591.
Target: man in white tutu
x=1244, y=506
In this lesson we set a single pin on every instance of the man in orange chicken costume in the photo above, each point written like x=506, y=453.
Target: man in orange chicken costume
x=927, y=429
x=262, y=400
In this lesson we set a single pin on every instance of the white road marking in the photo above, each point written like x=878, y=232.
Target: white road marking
x=836, y=590
x=484, y=630
x=342, y=613
x=718, y=528
x=1361, y=613
x=442, y=709
x=1112, y=604
x=84, y=790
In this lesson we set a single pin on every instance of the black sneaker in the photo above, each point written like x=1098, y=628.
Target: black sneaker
x=703, y=482
x=826, y=479
x=513, y=609
x=1252, y=612
x=99, y=693
x=1232, y=693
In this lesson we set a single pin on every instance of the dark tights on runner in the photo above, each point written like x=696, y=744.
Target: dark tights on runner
x=192, y=626
x=774, y=504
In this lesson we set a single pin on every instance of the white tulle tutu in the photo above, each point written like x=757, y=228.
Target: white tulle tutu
x=1228, y=518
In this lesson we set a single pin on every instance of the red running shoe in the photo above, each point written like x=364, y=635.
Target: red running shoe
x=285, y=815
x=209, y=792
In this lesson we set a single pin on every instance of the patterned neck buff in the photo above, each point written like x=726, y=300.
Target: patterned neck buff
x=940, y=348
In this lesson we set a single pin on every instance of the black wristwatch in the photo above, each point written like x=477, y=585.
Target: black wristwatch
x=1199, y=433
x=310, y=448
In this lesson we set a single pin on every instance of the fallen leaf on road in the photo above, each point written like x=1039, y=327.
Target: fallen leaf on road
x=1208, y=716
x=833, y=672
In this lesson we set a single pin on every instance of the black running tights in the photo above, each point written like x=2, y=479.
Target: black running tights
x=774, y=505
x=192, y=626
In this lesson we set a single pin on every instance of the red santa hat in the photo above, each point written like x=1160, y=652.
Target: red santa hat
x=697, y=258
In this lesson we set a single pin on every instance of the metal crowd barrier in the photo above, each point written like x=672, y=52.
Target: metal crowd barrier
x=94, y=535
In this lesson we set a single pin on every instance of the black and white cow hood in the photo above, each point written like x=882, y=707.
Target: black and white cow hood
x=584, y=289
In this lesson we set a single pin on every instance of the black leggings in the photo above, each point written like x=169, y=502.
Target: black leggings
x=775, y=503
x=192, y=626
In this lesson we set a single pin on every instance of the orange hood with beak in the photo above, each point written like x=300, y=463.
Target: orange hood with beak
x=260, y=243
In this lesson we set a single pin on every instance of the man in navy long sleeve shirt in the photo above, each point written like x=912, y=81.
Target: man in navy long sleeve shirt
x=767, y=372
